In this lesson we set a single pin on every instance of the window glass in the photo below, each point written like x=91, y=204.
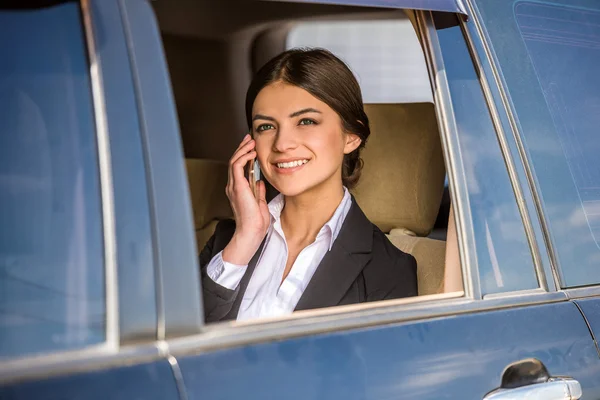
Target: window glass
x=51, y=248
x=552, y=76
x=504, y=258
x=385, y=56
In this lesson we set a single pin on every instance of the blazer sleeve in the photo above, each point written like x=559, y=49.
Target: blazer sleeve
x=397, y=281
x=406, y=286
x=218, y=300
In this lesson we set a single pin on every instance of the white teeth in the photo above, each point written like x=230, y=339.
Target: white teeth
x=292, y=164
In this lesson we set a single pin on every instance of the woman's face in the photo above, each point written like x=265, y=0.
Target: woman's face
x=300, y=143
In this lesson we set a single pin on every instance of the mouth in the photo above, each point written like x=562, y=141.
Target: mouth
x=290, y=166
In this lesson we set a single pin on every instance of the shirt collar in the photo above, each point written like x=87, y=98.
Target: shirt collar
x=333, y=226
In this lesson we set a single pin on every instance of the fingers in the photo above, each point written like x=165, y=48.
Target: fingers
x=237, y=168
x=245, y=146
x=261, y=192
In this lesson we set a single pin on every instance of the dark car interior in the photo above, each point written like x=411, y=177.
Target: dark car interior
x=213, y=49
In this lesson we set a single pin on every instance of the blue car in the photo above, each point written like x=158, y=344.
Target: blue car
x=117, y=118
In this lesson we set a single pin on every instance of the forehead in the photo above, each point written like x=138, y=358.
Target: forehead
x=283, y=99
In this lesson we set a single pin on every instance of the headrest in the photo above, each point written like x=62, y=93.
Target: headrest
x=207, y=180
x=402, y=181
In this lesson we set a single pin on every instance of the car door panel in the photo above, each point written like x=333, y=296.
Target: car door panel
x=457, y=357
x=143, y=381
x=590, y=307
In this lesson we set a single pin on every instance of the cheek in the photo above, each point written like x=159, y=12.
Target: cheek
x=329, y=143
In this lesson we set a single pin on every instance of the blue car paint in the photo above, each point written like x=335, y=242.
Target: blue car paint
x=143, y=381
x=460, y=357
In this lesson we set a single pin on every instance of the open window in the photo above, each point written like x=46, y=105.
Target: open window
x=420, y=87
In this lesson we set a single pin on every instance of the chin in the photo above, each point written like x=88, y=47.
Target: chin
x=291, y=188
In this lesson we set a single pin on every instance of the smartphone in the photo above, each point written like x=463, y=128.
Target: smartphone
x=253, y=175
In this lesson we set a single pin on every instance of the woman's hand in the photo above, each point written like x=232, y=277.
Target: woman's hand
x=251, y=214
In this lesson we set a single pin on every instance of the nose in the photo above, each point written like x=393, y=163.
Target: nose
x=285, y=139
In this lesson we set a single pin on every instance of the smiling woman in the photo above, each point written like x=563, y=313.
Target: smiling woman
x=311, y=246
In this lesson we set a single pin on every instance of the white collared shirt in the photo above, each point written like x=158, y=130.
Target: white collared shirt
x=264, y=296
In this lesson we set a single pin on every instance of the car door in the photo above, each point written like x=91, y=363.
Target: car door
x=551, y=80
x=448, y=346
x=80, y=300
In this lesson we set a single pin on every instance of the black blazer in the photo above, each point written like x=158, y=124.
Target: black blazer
x=363, y=265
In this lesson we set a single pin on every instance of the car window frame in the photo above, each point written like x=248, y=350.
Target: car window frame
x=304, y=323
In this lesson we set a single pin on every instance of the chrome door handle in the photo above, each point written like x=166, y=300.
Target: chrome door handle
x=529, y=379
x=553, y=389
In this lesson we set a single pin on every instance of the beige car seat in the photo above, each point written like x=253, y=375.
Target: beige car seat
x=453, y=279
x=402, y=183
x=207, y=181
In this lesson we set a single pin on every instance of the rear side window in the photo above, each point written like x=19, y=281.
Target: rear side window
x=552, y=76
x=381, y=53
x=503, y=255
x=51, y=246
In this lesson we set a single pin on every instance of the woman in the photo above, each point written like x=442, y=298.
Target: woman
x=311, y=246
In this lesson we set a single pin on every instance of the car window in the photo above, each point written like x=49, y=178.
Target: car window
x=51, y=246
x=504, y=258
x=551, y=71
x=381, y=53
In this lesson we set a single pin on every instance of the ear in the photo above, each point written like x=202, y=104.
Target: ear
x=352, y=143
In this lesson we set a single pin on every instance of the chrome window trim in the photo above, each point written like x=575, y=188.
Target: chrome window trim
x=76, y=361
x=26, y=366
x=508, y=159
x=452, y=153
x=178, y=375
x=106, y=184
x=511, y=115
x=342, y=318
x=582, y=292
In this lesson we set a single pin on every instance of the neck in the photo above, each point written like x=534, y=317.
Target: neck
x=304, y=215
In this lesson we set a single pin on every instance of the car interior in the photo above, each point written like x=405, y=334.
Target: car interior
x=212, y=53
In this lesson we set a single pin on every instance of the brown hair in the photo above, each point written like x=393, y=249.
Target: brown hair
x=329, y=79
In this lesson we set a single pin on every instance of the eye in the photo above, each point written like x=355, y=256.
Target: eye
x=307, y=121
x=264, y=127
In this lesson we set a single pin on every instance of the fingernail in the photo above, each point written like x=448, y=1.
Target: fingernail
x=247, y=135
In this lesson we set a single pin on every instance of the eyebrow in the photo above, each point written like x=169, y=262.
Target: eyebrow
x=292, y=115
x=304, y=111
x=265, y=117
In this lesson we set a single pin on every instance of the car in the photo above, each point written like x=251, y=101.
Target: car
x=117, y=118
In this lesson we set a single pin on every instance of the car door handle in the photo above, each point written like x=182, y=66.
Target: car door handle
x=529, y=379
x=553, y=389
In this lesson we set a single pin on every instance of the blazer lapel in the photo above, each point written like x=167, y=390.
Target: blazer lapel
x=341, y=266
